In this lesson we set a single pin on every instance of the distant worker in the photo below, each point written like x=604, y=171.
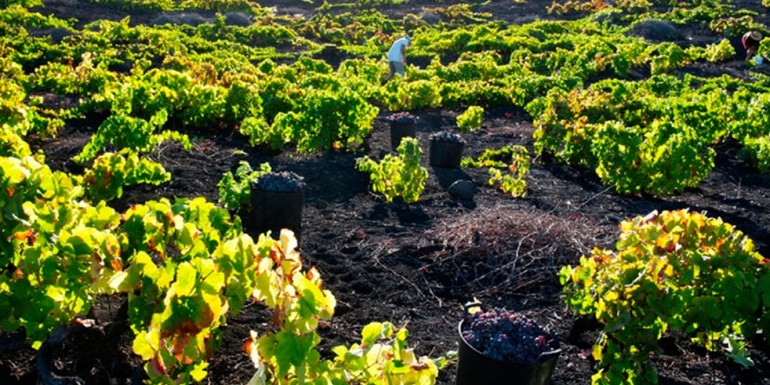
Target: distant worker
x=397, y=56
x=750, y=42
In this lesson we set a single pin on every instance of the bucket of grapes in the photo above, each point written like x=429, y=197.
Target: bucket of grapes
x=500, y=347
x=446, y=149
x=277, y=199
x=402, y=124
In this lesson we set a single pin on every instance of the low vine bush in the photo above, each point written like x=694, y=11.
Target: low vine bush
x=56, y=252
x=122, y=131
x=381, y=358
x=672, y=271
x=338, y=119
x=639, y=137
x=471, y=119
x=757, y=151
x=397, y=176
x=514, y=181
x=113, y=171
x=235, y=189
x=662, y=159
x=508, y=168
x=400, y=95
x=719, y=52
x=186, y=266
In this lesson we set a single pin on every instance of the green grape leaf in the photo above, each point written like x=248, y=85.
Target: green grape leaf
x=146, y=344
x=199, y=372
x=292, y=349
x=371, y=333
x=186, y=279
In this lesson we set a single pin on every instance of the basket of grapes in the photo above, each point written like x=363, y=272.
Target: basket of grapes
x=402, y=124
x=277, y=199
x=446, y=149
x=499, y=346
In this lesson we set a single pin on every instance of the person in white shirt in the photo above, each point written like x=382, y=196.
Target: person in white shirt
x=397, y=56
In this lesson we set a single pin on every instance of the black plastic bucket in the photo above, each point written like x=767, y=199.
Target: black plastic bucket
x=474, y=368
x=399, y=130
x=446, y=154
x=276, y=210
x=737, y=43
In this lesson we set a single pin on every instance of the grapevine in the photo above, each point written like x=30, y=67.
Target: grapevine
x=672, y=271
x=235, y=189
x=397, y=176
x=471, y=119
x=624, y=107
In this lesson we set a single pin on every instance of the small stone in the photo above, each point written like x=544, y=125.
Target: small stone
x=463, y=189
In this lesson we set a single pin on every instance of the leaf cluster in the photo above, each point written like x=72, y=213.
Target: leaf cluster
x=471, y=119
x=235, y=189
x=397, y=176
x=671, y=271
x=110, y=172
x=654, y=136
x=57, y=254
x=126, y=132
x=508, y=167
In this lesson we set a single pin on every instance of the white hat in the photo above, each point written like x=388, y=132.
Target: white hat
x=754, y=35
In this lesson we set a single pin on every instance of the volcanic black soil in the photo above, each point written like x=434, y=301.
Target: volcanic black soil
x=415, y=265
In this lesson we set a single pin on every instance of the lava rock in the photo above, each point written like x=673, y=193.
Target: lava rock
x=56, y=34
x=239, y=19
x=187, y=18
x=655, y=30
x=463, y=189
x=430, y=16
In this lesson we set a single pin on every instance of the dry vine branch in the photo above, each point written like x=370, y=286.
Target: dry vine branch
x=493, y=248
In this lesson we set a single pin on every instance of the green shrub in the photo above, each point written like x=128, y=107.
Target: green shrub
x=672, y=271
x=471, y=119
x=110, y=172
x=121, y=131
x=720, y=52
x=397, y=176
x=757, y=150
x=401, y=95
x=662, y=159
x=513, y=159
x=235, y=190
x=332, y=119
x=514, y=181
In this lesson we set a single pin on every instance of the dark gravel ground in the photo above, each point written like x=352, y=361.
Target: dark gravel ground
x=417, y=264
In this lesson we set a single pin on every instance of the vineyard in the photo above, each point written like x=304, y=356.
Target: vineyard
x=616, y=159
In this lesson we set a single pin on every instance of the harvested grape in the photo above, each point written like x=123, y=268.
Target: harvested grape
x=507, y=336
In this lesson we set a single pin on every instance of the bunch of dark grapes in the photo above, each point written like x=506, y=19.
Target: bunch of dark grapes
x=446, y=136
x=507, y=336
x=401, y=117
x=281, y=181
